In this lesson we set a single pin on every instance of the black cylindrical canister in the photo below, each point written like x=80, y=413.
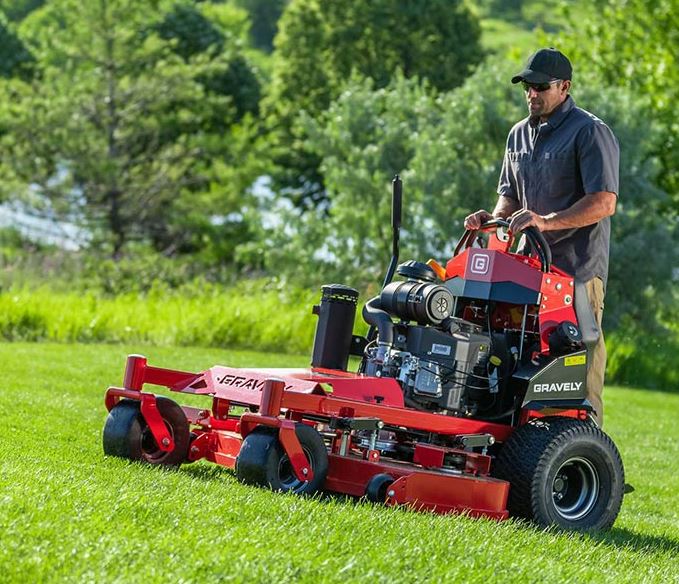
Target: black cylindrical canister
x=336, y=314
x=423, y=302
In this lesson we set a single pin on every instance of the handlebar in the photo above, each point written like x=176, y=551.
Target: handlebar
x=534, y=236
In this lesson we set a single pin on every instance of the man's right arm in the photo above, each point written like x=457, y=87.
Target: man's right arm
x=507, y=202
x=504, y=207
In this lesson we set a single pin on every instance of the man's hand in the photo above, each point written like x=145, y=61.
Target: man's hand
x=586, y=211
x=475, y=220
x=525, y=218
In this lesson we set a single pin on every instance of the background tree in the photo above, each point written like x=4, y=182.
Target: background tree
x=118, y=128
x=264, y=15
x=208, y=217
x=607, y=50
x=15, y=59
x=17, y=10
x=320, y=43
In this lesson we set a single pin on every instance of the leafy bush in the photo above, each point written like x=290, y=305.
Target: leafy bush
x=637, y=357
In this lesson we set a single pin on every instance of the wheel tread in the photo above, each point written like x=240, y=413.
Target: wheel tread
x=530, y=451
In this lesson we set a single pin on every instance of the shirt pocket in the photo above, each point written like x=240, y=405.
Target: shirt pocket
x=518, y=161
x=559, y=172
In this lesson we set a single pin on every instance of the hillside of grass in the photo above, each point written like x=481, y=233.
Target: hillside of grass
x=519, y=27
x=244, y=316
x=67, y=513
x=249, y=315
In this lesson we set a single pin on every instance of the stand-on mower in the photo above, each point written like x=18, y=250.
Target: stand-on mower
x=470, y=396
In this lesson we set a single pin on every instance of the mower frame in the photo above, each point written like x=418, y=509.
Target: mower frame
x=286, y=397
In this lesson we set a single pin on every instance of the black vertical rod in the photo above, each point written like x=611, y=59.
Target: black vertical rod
x=396, y=208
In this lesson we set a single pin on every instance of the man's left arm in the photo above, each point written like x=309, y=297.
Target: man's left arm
x=586, y=211
x=599, y=159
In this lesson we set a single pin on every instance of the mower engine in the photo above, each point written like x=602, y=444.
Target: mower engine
x=443, y=363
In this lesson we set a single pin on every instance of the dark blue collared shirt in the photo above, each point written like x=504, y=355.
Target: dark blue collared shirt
x=549, y=166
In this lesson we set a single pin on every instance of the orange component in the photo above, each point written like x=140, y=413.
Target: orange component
x=438, y=268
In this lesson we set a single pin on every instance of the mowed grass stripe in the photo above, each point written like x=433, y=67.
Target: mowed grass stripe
x=67, y=513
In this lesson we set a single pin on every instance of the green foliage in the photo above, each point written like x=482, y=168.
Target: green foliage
x=119, y=127
x=436, y=40
x=504, y=37
x=363, y=140
x=14, y=248
x=320, y=44
x=195, y=33
x=240, y=82
x=448, y=150
x=15, y=59
x=637, y=356
x=17, y=10
x=458, y=155
x=301, y=81
x=632, y=44
x=191, y=30
x=264, y=15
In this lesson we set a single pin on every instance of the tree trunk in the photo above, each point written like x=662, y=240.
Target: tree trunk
x=113, y=192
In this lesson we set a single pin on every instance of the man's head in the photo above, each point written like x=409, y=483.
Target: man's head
x=546, y=79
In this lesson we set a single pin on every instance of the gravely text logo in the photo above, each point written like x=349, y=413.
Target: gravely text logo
x=557, y=387
x=251, y=383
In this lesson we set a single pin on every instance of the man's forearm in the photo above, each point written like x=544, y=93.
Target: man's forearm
x=505, y=206
x=587, y=211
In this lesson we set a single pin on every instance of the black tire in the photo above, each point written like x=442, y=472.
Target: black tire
x=262, y=460
x=377, y=487
x=563, y=472
x=127, y=435
x=192, y=437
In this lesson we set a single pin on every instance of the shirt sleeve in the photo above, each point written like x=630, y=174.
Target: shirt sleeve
x=599, y=159
x=506, y=186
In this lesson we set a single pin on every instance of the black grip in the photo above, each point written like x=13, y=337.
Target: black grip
x=396, y=202
x=535, y=237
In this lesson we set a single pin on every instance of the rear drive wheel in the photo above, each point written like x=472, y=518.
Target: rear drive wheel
x=262, y=460
x=127, y=435
x=563, y=472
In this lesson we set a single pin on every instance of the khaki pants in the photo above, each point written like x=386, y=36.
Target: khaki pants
x=597, y=359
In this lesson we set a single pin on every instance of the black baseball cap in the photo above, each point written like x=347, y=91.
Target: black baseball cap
x=544, y=66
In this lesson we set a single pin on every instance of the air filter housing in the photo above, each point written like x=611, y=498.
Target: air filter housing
x=336, y=314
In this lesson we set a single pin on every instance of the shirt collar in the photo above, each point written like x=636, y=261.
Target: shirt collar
x=558, y=116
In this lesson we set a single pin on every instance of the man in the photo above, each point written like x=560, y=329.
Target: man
x=560, y=175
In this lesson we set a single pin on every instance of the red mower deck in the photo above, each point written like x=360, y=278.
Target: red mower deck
x=286, y=397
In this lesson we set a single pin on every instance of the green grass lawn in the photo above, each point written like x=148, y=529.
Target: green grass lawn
x=67, y=513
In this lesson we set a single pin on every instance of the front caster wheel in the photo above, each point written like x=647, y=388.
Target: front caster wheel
x=377, y=487
x=127, y=435
x=262, y=460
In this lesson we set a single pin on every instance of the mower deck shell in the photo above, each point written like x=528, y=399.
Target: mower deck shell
x=284, y=397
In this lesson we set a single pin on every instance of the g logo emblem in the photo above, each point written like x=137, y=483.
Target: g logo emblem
x=480, y=264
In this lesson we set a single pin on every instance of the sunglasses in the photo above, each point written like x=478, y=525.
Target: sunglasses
x=539, y=87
